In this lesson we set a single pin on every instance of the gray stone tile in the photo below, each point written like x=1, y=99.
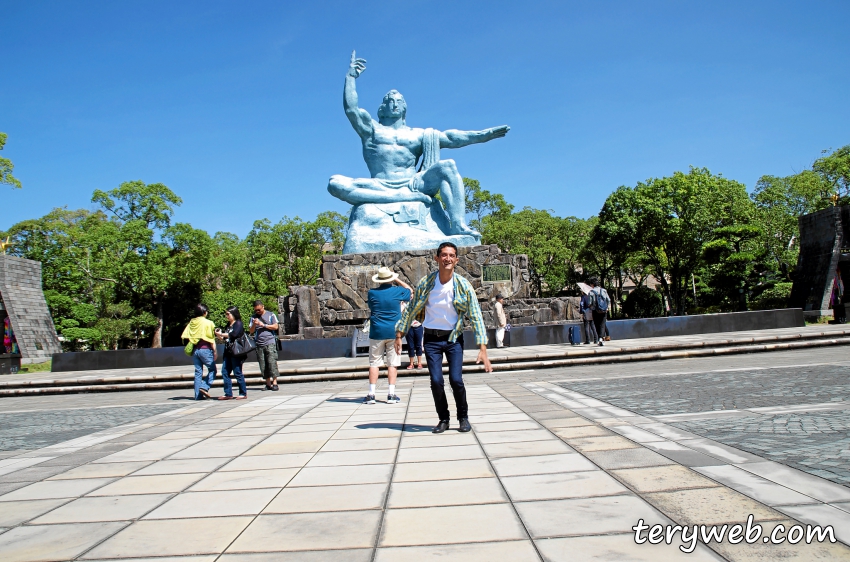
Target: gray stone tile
x=35, y=543
x=443, y=470
x=683, y=455
x=349, y=458
x=446, y=492
x=340, y=475
x=616, y=548
x=544, y=464
x=246, y=479
x=182, y=466
x=627, y=458
x=799, y=481
x=215, y=504
x=15, y=513
x=110, y=508
x=165, y=538
x=448, y=525
x=527, y=448
x=565, y=485
x=328, y=498
x=56, y=489
x=449, y=453
x=587, y=516
x=765, y=491
x=515, y=551
x=349, y=555
x=822, y=515
x=515, y=436
x=160, y=484
x=302, y=531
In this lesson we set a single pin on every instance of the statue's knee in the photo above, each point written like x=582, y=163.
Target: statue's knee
x=448, y=166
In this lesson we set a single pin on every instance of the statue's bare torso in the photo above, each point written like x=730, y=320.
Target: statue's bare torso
x=391, y=153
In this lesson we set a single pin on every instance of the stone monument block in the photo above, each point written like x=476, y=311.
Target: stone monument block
x=23, y=301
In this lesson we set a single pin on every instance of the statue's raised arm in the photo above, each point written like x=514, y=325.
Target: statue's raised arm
x=453, y=138
x=360, y=118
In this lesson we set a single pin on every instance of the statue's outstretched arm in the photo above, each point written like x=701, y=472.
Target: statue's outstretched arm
x=456, y=139
x=360, y=118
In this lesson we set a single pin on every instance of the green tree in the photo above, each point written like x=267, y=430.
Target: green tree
x=780, y=201
x=834, y=169
x=480, y=203
x=552, y=244
x=6, y=167
x=668, y=220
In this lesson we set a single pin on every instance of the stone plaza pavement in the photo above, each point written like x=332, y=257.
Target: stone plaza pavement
x=311, y=474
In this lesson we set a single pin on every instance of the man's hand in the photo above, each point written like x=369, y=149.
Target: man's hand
x=498, y=132
x=482, y=356
x=397, y=344
x=357, y=66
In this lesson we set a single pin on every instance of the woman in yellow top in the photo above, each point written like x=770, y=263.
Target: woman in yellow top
x=201, y=334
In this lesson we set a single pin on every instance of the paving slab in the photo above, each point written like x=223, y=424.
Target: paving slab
x=515, y=551
x=329, y=498
x=446, y=525
x=43, y=543
x=305, y=531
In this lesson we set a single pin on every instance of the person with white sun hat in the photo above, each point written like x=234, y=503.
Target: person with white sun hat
x=385, y=306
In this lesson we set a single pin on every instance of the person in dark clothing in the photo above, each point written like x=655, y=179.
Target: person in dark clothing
x=232, y=363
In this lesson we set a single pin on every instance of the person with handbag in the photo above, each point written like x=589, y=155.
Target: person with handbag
x=201, y=335
x=237, y=344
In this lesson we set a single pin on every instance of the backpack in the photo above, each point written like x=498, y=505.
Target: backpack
x=600, y=301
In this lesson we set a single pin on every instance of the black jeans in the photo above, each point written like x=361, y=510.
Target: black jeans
x=435, y=348
x=599, y=319
x=589, y=332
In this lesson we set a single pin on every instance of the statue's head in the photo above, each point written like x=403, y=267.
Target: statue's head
x=393, y=106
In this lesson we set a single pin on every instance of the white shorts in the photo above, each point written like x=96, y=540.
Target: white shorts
x=377, y=349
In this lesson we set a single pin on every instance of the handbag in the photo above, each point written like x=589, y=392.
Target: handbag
x=242, y=345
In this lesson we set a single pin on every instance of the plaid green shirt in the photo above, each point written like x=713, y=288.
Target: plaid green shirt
x=465, y=302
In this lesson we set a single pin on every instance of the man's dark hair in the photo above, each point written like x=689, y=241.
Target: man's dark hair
x=259, y=303
x=200, y=310
x=446, y=245
x=593, y=281
x=235, y=312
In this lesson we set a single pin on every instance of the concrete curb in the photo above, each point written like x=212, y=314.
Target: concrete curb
x=538, y=361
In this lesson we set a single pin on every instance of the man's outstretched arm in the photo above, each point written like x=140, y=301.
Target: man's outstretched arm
x=456, y=139
x=360, y=118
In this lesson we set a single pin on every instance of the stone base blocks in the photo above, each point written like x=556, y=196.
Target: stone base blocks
x=336, y=305
x=23, y=298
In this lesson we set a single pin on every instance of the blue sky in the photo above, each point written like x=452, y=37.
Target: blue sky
x=236, y=106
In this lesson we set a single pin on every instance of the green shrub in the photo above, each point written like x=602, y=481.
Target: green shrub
x=775, y=297
x=643, y=302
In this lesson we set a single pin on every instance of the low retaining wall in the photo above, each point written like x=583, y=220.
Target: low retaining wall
x=518, y=337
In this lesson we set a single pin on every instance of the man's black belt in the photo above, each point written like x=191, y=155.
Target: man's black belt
x=438, y=333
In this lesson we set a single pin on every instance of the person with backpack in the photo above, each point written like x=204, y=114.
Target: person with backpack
x=234, y=332
x=590, y=336
x=263, y=328
x=599, y=304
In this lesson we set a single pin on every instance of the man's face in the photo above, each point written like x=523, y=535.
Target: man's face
x=394, y=106
x=259, y=310
x=447, y=259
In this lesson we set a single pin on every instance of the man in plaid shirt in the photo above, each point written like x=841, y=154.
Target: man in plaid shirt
x=441, y=301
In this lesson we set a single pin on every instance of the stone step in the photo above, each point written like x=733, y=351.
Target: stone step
x=566, y=356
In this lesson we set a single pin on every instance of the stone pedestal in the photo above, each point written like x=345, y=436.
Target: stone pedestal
x=23, y=300
x=336, y=305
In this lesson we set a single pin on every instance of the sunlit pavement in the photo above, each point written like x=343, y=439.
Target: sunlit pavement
x=560, y=465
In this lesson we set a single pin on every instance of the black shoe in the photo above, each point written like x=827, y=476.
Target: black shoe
x=370, y=399
x=441, y=427
x=393, y=399
x=464, y=426
x=275, y=387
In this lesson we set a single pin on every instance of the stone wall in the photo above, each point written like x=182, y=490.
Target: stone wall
x=336, y=305
x=23, y=298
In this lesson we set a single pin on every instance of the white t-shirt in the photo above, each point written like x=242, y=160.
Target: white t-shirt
x=440, y=313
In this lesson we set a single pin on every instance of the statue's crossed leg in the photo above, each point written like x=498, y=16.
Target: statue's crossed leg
x=442, y=178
